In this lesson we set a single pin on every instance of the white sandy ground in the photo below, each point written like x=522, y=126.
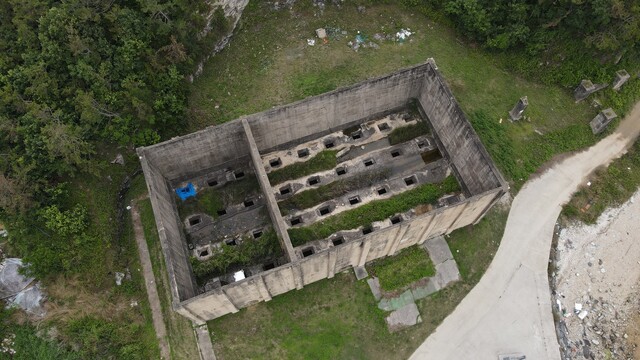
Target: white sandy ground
x=509, y=310
x=598, y=267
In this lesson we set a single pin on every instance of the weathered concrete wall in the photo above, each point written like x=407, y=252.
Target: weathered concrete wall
x=170, y=232
x=322, y=114
x=322, y=265
x=272, y=205
x=458, y=140
x=191, y=155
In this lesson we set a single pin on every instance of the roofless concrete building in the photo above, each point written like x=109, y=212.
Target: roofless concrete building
x=298, y=193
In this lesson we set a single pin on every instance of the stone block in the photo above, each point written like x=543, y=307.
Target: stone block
x=600, y=122
x=586, y=88
x=621, y=77
x=518, y=109
x=374, y=285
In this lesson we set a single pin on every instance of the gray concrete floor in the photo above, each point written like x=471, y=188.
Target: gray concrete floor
x=509, y=310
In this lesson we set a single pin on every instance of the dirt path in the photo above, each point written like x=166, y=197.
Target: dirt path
x=597, y=273
x=509, y=310
x=149, y=281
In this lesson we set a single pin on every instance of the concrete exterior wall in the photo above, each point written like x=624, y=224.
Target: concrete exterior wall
x=322, y=265
x=169, y=231
x=322, y=114
x=187, y=157
x=459, y=141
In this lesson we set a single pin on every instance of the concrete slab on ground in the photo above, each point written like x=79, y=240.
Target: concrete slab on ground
x=205, y=346
x=361, y=272
x=446, y=273
x=438, y=250
x=407, y=315
x=374, y=285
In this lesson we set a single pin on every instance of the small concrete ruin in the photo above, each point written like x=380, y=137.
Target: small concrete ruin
x=622, y=76
x=241, y=204
x=600, y=122
x=586, y=88
x=516, y=113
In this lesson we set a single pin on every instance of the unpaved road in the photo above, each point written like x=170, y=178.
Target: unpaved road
x=149, y=282
x=598, y=273
x=509, y=310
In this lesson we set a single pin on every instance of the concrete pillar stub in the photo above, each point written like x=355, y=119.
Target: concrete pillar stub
x=517, y=111
x=264, y=291
x=331, y=263
x=621, y=77
x=600, y=122
x=366, y=246
x=296, y=272
x=586, y=88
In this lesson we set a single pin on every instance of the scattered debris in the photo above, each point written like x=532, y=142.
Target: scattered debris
x=605, y=300
x=321, y=33
x=186, y=192
x=18, y=290
x=403, y=34
x=119, y=160
x=119, y=277
x=311, y=42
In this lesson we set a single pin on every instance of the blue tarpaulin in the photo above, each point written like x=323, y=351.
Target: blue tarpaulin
x=186, y=192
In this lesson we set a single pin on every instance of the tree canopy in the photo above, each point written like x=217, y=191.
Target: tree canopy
x=76, y=72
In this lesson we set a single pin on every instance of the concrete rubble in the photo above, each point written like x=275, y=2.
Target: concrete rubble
x=596, y=286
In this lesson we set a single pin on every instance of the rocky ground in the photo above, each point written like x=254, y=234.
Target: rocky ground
x=596, y=285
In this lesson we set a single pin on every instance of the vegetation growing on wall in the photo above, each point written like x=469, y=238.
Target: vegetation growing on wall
x=373, y=211
x=210, y=200
x=315, y=196
x=406, y=133
x=250, y=252
x=324, y=160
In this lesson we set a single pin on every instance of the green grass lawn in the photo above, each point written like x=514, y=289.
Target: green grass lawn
x=268, y=63
x=339, y=319
x=409, y=266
